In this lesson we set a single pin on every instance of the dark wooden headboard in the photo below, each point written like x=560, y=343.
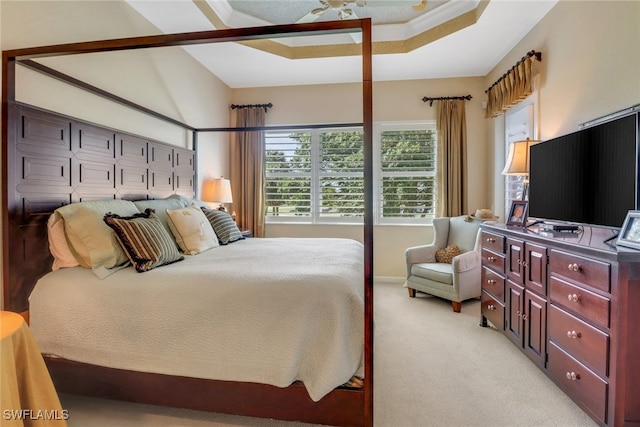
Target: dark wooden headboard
x=53, y=160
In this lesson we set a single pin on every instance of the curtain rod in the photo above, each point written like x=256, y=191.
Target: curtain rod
x=265, y=106
x=282, y=127
x=538, y=56
x=442, y=98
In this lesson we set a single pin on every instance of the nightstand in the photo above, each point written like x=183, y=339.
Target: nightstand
x=246, y=233
x=26, y=385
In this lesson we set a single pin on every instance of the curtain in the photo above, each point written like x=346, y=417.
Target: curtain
x=247, y=171
x=451, y=158
x=511, y=88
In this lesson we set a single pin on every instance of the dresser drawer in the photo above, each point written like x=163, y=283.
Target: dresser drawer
x=493, y=260
x=580, y=269
x=584, y=342
x=592, y=307
x=579, y=382
x=493, y=242
x=493, y=283
x=493, y=310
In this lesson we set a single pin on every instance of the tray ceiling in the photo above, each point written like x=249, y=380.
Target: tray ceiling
x=446, y=38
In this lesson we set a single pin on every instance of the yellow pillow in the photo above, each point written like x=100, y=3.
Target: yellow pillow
x=446, y=255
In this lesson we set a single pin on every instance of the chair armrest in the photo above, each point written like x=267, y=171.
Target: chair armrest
x=466, y=261
x=419, y=254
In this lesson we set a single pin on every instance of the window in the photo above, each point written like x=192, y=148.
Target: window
x=288, y=170
x=316, y=175
x=407, y=169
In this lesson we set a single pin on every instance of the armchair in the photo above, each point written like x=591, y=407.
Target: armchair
x=457, y=281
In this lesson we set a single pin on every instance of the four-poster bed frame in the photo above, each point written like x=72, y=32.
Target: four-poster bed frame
x=24, y=228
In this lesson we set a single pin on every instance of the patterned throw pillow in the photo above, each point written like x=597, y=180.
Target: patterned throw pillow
x=144, y=239
x=224, y=226
x=446, y=255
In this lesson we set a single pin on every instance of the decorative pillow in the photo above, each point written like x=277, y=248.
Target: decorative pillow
x=446, y=255
x=224, y=226
x=191, y=229
x=144, y=239
x=62, y=255
x=91, y=241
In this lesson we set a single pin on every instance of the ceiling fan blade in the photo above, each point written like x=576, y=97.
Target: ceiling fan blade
x=312, y=16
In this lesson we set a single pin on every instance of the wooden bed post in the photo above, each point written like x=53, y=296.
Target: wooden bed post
x=367, y=110
x=8, y=95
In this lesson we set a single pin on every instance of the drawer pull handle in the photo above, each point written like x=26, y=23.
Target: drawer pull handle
x=491, y=240
x=574, y=334
x=524, y=316
x=573, y=297
x=491, y=282
x=573, y=376
x=491, y=307
x=491, y=259
x=574, y=267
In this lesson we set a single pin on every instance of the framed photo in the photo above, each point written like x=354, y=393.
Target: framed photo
x=518, y=213
x=630, y=233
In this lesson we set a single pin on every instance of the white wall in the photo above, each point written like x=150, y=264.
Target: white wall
x=590, y=68
x=392, y=101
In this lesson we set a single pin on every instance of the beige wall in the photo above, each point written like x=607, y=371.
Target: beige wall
x=393, y=101
x=590, y=68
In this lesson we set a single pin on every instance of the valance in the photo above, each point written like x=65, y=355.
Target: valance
x=514, y=86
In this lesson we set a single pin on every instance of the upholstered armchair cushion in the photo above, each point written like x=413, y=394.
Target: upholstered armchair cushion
x=457, y=281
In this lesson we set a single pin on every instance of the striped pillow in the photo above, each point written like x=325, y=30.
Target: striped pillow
x=224, y=226
x=144, y=239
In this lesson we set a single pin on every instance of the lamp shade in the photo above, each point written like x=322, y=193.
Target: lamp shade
x=216, y=190
x=518, y=159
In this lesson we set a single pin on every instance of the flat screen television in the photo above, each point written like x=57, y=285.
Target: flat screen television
x=587, y=177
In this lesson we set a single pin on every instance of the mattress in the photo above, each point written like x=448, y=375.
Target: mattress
x=270, y=311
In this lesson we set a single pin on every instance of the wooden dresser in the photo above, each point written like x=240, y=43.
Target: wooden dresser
x=571, y=303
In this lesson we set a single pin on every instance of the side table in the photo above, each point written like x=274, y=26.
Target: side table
x=28, y=396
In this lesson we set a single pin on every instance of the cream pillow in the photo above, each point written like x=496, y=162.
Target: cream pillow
x=62, y=255
x=191, y=229
x=91, y=241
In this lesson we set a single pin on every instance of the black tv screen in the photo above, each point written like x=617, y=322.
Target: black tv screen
x=586, y=177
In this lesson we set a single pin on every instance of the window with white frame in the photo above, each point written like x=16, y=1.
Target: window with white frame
x=407, y=173
x=316, y=175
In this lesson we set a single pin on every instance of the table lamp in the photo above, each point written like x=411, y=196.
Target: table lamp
x=518, y=163
x=217, y=191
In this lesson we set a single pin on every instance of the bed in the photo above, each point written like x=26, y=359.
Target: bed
x=29, y=199
x=293, y=312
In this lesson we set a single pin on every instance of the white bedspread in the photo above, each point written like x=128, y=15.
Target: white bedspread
x=259, y=310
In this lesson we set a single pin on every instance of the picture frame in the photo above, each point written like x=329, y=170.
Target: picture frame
x=518, y=213
x=630, y=232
